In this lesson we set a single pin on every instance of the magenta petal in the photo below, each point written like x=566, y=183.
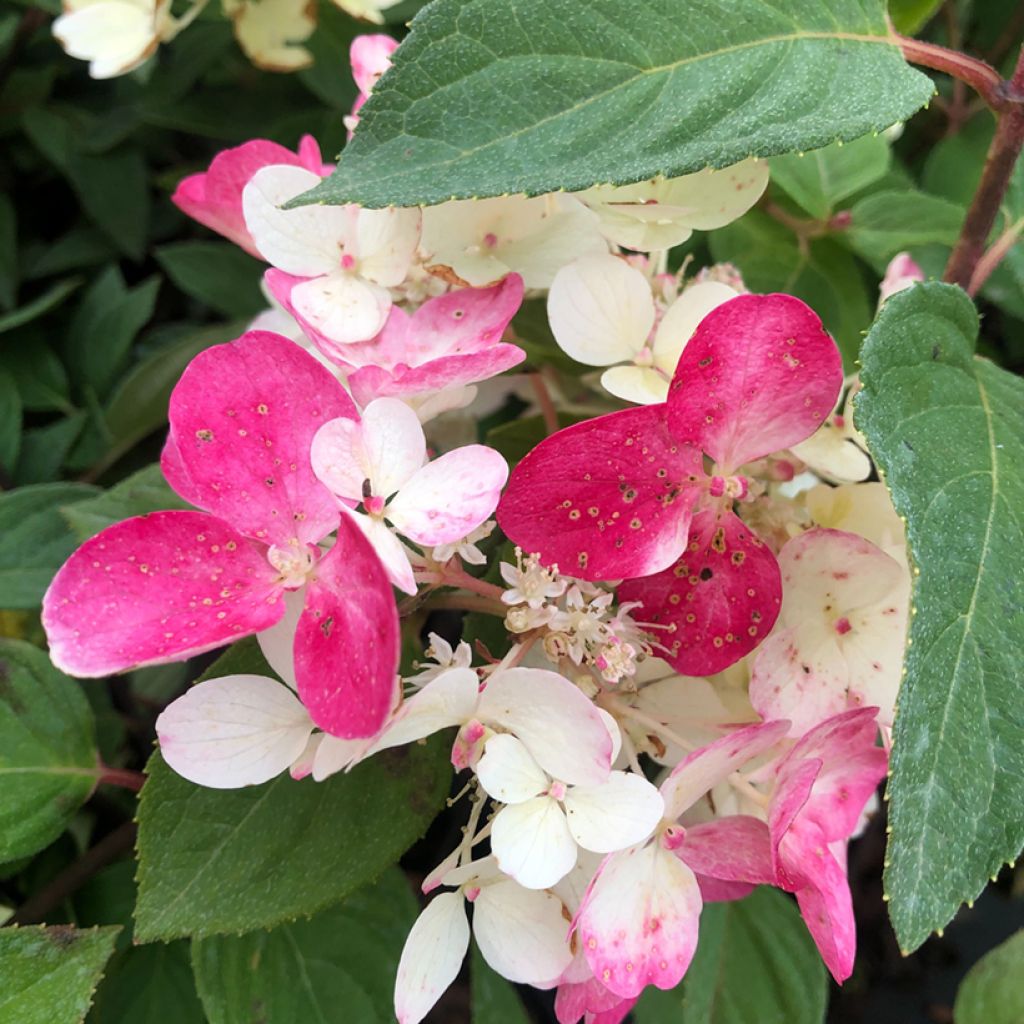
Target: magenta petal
x=823, y=894
x=214, y=198
x=722, y=596
x=759, y=374
x=157, y=588
x=732, y=849
x=852, y=765
x=605, y=499
x=347, y=641
x=242, y=418
x=371, y=382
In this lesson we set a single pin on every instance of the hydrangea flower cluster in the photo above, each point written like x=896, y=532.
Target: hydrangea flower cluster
x=706, y=608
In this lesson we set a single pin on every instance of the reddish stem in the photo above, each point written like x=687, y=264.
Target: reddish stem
x=122, y=777
x=999, y=163
x=978, y=74
x=547, y=406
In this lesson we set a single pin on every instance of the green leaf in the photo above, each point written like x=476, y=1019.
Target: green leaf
x=244, y=658
x=114, y=191
x=107, y=321
x=8, y=252
x=218, y=274
x=149, y=985
x=10, y=422
x=144, y=491
x=210, y=861
x=44, y=450
x=487, y=97
x=138, y=404
x=50, y=299
x=34, y=539
x=755, y=964
x=821, y=179
x=823, y=274
x=886, y=223
x=41, y=378
x=50, y=973
x=517, y=437
x=910, y=16
x=494, y=999
x=992, y=992
x=338, y=965
x=48, y=758
x=947, y=432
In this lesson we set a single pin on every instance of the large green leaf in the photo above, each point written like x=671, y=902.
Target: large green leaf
x=755, y=964
x=820, y=180
x=885, y=223
x=212, y=861
x=10, y=422
x=487, y=97
x=947, y=432
x=336, y=967
x=144, y=491
x=993, y=991
x=48, y=761
x=218, y=274
x=34, y=539
x=49, y=973
x=494, y=999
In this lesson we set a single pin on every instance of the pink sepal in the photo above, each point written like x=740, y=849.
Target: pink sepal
x=347, y=642
x=243, y=416
x=759, y=374
x=721, y=597
x=214, y=198
x=605, y=499
x=156, y=588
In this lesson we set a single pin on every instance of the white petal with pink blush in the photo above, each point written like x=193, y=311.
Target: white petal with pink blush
x=532, y=842
x=432, y=957
x=615, y=814
x=521, y=933
x=234, y=731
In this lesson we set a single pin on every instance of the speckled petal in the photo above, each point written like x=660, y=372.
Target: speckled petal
x=347, y=641
x=638, y=922
x=242, y=420
x=157, y=588
x=759, y=374
x=722, y=595
x=609, y=498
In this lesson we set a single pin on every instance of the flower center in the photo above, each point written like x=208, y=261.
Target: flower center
x=294, y=564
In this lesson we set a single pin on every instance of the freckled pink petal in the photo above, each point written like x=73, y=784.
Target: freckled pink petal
x=347, y=642
x=638, y=922
x=799, y=674
x=157, y=588
x=214, y=198
x=370, y=55
x=722, y=595
x=449, y=497
x=788, y=800
x=459, y=323
x=432, y=956
x=243, y=417
x=714, y=890
x=702, y=770
x=590, y=1001
x=310, y=157
x=823, y=895
x=852, y=765
x=732, y=849
x=605, y=499
x=759, y=374
x=521, y=933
